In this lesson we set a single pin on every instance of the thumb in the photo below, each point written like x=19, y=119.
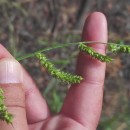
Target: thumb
x=10, y=81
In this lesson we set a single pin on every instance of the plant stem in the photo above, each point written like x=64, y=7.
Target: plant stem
x=56, y=47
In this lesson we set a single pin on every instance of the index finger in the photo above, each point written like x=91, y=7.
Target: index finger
x=84, y=101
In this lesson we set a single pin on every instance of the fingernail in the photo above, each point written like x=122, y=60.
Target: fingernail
x=10, y=71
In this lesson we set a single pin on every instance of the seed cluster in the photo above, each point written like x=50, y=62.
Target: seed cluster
x=94, y=54
x=4, y=114
x=117, y=48
x=57, y=73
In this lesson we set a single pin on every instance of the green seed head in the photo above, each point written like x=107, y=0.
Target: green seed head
x=4, y=114
x=94, y=54
x=57, y=73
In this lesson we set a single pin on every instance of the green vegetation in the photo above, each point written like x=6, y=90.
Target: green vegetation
x=66, y=77
x=4, y=114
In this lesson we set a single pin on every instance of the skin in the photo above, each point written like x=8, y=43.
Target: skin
x=83, y=103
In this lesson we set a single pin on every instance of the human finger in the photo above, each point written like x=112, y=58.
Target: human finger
x=36, y=107
x=84, y=101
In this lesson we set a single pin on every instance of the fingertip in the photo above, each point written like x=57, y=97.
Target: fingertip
x=95, y=28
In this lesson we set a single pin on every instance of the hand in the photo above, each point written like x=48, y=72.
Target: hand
x=82, y=106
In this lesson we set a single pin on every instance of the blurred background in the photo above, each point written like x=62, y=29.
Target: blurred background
x=30, y=25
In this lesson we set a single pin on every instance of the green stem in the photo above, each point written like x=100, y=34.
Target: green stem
x=56, y=47
x=44, y=50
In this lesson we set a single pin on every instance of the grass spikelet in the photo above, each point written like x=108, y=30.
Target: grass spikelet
x=117, y=48
x=57, y=73
x=93, y=54
x=4, y=114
